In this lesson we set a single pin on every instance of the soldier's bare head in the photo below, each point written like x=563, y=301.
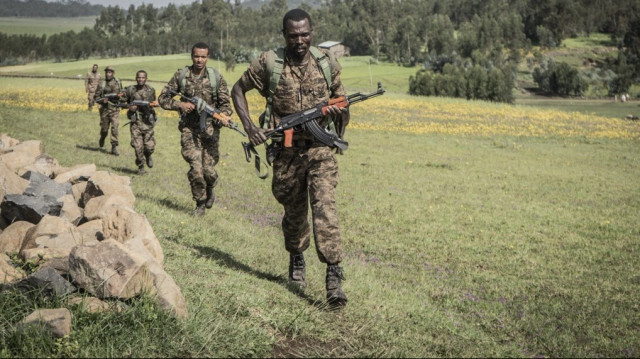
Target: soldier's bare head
x=199, y=56
x=141, y=77
x=95, y=68
x=297, y=31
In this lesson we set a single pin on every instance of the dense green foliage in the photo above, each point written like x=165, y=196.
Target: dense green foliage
x=560, y=79
x=42, y=8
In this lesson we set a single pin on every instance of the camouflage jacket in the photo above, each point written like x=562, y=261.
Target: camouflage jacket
x=301, y=86
x=142, y=114
x=196, y=87
x=91, y=81
x=111, y=86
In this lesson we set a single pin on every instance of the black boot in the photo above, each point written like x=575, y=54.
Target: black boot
x=200, y=209
x=211, y=197
x=103, y=135
x=114, y=150
x=149, y=160
x=297, y=273
x=141, y=170
x=335, y=296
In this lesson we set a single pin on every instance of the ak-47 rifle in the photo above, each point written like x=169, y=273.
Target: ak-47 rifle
x=110, y=96
x=205, y=109
x=144, y=106
x=307, y=120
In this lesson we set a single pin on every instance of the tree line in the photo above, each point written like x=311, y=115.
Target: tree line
x=478, y=42
x=41, y=8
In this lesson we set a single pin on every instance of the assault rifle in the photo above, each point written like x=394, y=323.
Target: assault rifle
x=110, y=96
x=307, y=120
x=144, y=106
x=205, y=109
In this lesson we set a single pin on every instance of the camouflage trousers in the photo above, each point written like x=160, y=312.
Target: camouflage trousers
x=142, y=141
x=302, y=177
x=201, y=153
x=110, y=117
x=90, y=97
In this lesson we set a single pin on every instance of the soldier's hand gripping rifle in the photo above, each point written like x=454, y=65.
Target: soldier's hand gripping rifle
x=205, y=109
x=144, y=106
x=307, y=120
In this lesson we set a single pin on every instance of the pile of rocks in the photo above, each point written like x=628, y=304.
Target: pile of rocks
x=78, y=227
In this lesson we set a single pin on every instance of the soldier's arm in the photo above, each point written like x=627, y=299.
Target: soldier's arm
x=224, y=102
x=165, y=99
x=86, y=84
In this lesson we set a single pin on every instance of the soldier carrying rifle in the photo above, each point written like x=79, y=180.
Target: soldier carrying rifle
x=141, y=98
x=108, y=96
x=305, y=170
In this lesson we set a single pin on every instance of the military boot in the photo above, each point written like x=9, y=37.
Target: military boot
x=149, y=160
x=141, y=170
x=297, y=273
x=103, y=135
x=114, y=150
x=211, y=197
x=200, y=209
x=335, y=296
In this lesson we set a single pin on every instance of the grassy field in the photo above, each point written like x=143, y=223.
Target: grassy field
x=44, y=25
x=491, y=230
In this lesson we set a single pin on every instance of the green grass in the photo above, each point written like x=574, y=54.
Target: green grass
x=454, y=246
x=44, y=25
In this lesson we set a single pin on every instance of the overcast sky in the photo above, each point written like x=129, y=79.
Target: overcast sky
x=125, y=3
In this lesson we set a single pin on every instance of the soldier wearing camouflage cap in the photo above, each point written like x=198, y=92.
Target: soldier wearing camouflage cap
x=109, y=112
x=307, y=172
x=199, y=148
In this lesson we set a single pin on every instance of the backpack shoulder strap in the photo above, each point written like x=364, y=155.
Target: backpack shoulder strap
x=214, y=79
x=325, y=65
x=181, y=80
x=274, y=64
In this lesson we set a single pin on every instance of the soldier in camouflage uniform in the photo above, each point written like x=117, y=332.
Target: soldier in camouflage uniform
x=141, y=120
x=91, y=84
x=308, y=171
x=199, y=149
x=109, y=112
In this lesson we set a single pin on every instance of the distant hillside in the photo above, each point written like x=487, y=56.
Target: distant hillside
x=32, y=8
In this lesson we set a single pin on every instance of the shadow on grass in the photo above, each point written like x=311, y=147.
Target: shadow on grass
x=166, y=202
x=228, y=261
x=91, y=148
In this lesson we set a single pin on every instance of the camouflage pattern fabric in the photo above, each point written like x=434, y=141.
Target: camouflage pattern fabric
x=304, y=174
x=91, y=84
x=201, y=153
x=142, y=133
x=109, y=113
x=199, y=150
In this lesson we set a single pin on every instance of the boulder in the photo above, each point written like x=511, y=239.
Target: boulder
x=47, y=281
x=44, y=164
x=16, y=207
x=77, y=190
x=91, y=232
x=38, y=255
x=167, y=293
x=55, y=321
x=95, y=305
x=109, y=270
x=9, y=273
x=75, y=174
x=125, y=225
x=70, y=210
x=105, y=183
x=22, y=154
x=41, y=185
x=10, y=182
x=6, y=141
x=97, y=207
x=12, y=238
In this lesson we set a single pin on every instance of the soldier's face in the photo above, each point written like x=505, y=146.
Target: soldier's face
x=199, y=58
x=298, y=35
x=95, y=68
x=141, y=78
x=108, y=75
